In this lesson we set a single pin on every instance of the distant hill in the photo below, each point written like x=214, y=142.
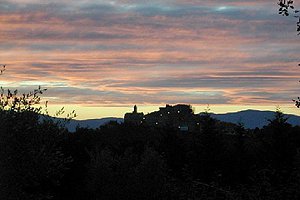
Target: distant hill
x=91, y=123
x=253, y=118
x=250, y=119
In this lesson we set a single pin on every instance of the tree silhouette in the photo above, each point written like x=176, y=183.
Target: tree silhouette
x=286, y=7
x=31, y=161
x=10, y=100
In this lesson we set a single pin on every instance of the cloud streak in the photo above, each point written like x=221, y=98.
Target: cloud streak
x=124, y=52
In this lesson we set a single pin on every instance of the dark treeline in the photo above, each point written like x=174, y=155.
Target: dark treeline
x=39, y=159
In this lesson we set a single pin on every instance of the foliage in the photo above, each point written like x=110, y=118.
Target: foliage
x=127, y=176
x=39, y=160
x=286, y=7
x=25, y=102
x=31, y=161
x=214, y=164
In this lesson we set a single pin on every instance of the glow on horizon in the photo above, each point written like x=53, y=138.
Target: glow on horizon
x=97, y=112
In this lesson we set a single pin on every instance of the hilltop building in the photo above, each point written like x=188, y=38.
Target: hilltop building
x=134, y=117
x=180, y=117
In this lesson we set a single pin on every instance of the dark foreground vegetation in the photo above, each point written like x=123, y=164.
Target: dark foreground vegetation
x=39, y=159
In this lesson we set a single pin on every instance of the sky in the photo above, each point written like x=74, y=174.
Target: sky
x=101, y=57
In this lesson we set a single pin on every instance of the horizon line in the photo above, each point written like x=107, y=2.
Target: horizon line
x=84, y=112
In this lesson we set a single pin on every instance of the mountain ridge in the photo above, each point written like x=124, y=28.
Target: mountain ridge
x=249, y=118
x=254, y=118
x=91, y=123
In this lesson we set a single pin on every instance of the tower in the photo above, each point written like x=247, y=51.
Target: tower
x=135, y=109
x=134, y=117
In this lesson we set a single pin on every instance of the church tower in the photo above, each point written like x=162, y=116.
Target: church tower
x=135, y=109
x=134, y=117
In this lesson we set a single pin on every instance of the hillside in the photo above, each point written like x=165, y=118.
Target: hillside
x=250, y=118
x=91, y=123
x=253, y=118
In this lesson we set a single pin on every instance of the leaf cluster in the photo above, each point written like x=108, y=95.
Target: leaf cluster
x=10, y=100
x=297, y=102
x=286, y=7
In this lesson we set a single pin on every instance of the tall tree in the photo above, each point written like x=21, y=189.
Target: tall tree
x=31, y=161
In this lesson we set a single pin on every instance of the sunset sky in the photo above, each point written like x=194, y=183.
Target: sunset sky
x=101, y=57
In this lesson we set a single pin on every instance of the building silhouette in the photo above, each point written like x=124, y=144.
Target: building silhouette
x=134, y=117
x=179, y=116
